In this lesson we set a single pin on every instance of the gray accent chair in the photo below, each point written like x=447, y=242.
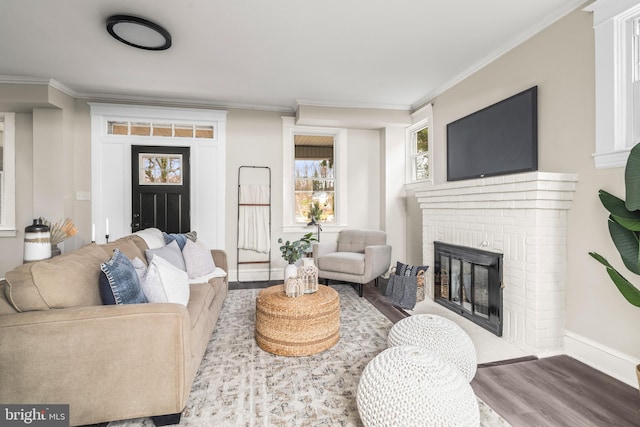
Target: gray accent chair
x=358, y=256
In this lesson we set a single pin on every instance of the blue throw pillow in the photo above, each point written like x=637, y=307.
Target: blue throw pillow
x=180, y=238
x=119, y=283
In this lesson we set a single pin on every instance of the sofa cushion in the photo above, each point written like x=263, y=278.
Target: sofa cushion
x=68, y=280
x=357, y=240
x=170, y=252
x=119, y=283
x=200, y=299
x=197, y=260
x=5, y=305
x=127, y=246
x=163, y=282
x=342, y=262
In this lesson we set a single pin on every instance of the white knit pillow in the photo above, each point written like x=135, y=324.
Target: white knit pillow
x=164, y=282
x=197, y=260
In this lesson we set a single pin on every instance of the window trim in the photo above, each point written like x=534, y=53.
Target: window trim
x=289, y=130
x=614, y=138
x=8, y=214
x=422, y=118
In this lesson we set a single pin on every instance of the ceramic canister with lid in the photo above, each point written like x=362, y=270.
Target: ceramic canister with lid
x=37, y=241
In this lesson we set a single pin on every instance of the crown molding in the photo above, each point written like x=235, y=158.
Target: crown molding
x=108, y=97
x=181, y=102
x=312, y=103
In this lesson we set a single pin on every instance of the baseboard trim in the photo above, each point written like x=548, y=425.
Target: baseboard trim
x=605, y=359
x=256, y=275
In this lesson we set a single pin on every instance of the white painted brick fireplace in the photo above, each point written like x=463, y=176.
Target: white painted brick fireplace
x=524, y=217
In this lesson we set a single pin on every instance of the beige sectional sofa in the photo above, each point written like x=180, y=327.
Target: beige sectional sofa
x=60, y=345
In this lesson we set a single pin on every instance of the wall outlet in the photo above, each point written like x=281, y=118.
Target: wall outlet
x=83, y=195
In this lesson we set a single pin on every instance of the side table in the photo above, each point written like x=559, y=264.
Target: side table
x=300, y=326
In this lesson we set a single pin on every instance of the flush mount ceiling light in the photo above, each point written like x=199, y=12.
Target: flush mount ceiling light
x=138, y=32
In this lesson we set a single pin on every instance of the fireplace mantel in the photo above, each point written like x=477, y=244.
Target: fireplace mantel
x=524, y=217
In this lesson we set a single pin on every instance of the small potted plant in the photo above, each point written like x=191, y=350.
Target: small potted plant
x=293, y=251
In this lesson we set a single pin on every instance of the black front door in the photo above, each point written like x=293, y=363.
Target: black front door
x=160, y=188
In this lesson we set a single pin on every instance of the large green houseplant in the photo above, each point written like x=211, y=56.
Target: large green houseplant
x=624, y=228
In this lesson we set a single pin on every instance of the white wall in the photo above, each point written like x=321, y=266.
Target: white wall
x=254, y=138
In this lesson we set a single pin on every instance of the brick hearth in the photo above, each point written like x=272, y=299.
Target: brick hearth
x=524, y=217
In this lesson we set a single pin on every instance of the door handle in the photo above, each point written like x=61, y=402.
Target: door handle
x=135, y=224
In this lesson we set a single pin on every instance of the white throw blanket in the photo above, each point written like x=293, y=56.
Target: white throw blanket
x=253, y=221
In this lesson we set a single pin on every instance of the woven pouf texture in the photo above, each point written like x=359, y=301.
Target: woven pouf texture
x=301, y=326
x=412, y=386
x=439, y=335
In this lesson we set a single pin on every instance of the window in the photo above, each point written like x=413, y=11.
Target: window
x=314, y=178
x=420, y=156
x=160, y=169
x=314, y=172
x=7, y=175
x=419, y=148
x=174, y=130
x=617, y=36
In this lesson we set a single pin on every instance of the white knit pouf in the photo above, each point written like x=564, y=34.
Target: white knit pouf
x=411, y=386
x=440, y=335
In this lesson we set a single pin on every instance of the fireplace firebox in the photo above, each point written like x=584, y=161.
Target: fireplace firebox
x=468, y=281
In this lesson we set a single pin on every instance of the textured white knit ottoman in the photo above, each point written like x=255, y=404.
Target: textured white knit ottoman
x=411, y=386
x=440, y=335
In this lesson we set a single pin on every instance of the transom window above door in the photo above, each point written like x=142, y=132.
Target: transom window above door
x=172, y=130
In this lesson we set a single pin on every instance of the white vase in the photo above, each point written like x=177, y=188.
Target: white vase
x=309, y=275
x=290, y=271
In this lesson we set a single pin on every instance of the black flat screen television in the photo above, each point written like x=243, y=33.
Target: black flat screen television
x=497, y=140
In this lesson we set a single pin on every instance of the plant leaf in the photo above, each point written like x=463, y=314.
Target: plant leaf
x=626, y=242
x=632, y=179
x=616, y=206
x=629, y=224
x=628, y=291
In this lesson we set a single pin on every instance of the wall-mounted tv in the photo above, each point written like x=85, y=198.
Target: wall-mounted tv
x=497, y=140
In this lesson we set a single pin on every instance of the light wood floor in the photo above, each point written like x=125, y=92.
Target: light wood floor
x=551, y=392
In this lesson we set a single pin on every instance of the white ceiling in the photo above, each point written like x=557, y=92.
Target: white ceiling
x=268, y=54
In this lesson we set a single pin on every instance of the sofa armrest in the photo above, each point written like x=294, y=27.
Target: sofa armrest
x=220, y=260
x=377, y=259
x=320, y=249
x=134, y=359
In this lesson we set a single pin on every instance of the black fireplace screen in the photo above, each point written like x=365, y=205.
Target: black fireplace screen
x=469, y=282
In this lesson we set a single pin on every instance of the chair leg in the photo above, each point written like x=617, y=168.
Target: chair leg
x=360, y=289
x=376, y=282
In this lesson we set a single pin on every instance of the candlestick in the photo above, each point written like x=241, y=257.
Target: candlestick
x=93, y=233
x=106, y=230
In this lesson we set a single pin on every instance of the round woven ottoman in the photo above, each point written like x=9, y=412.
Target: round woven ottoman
x=300, y=326
x=439, y=335
x=411, y=386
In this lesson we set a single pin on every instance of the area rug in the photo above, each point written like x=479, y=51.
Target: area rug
x=239, y=384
